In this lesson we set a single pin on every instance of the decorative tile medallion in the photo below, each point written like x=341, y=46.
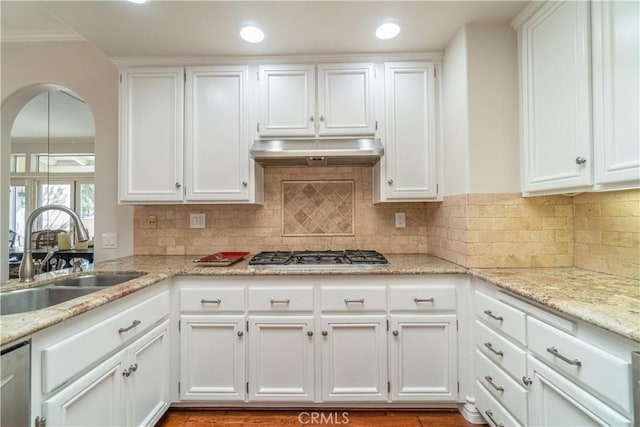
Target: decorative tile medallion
x=318, y=208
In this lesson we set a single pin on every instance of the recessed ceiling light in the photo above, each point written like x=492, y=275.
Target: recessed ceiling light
x=387, y=31
x=252, y=34
x=138, y=1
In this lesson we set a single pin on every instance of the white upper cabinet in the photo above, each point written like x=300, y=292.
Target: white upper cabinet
x=211, y=107
x=345, y=101
x=216, y=134
x=287, y=100
x=580, y=96
x=408, y=172
x=151, y=112
x=556, y=98
x=616, y=91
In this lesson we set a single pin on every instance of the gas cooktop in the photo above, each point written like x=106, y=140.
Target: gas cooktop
x=361, y=258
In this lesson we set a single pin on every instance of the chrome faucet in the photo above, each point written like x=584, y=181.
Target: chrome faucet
x=27, y=266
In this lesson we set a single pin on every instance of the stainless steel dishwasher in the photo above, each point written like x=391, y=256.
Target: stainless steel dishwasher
x=15, y=365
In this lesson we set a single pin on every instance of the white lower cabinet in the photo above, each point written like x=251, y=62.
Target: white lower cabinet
x=281, y=362
x=212, y=357
x=125, y=389
x=95, y=399
x=354, y=358
x=535, y=367
x=556, y=401
x=423, y=358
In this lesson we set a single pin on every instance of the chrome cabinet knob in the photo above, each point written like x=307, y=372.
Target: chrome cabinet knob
x=178, y=185
x=310, y=333
x=325, y=333
x=396, y=333
x=311, y=118
x=527, y=380
x=580, y=160
x=240, y=334
x=126, y=373
x=390, y=182
x=133, y=367
x=322, y=117
x=245, y=183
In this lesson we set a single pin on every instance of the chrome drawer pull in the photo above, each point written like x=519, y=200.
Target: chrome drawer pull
x=280, y=301
x=353, y=301
x=493, y=316
x=490, y=415
x=492, y=350
x=554, y=351
x=130, y=327
x=489, y=379
x=210, y=301
x=417, y=300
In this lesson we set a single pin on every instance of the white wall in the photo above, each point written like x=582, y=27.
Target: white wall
x=78, y=66
x=455, y=106
x=494, y=165
x=480, y=104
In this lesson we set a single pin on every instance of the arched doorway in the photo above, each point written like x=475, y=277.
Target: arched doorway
x=38, y=164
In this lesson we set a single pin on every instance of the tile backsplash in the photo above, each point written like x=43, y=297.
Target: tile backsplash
x=607, y=232
x=502, y=230
x=256, y=228
x=318, y=208
x=332, y=208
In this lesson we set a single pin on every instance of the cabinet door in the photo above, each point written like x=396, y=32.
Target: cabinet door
x=151, y=116
x=148, y=383
x=287, y=100
x=345, y=99
x=281, y=366
x=411, y=131
x=423, y=358
x=216, y=134
x=556, y=98
x=616, y=96
x=354, y=358
x=212, y=358
x=556, y=401
x=94, y=399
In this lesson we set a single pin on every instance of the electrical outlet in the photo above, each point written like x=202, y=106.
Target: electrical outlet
x=110, y=240
x=197, y=221
x=400, y=220
x=152, y=221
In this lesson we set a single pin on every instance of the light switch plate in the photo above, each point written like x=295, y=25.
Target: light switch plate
x=197, y=221
x=109, y=240
x=400, y=220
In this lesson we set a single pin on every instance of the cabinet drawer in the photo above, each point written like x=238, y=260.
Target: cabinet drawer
x=492, y=410
x=72, y=355
x=289, y=298
x=597, y=369
x=211, y=299
x=423, y=298
x=353, y=298
x=504, y=353
x=506, y=391
x=501, y=316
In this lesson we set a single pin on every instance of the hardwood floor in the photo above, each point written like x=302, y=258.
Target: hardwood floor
x=352, y=418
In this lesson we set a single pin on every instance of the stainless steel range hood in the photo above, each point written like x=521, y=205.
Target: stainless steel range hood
x=317, y=152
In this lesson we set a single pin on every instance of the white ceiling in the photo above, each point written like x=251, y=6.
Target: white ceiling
x=210, y=28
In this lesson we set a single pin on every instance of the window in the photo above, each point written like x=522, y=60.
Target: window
x=66, y=163
x=17, y=210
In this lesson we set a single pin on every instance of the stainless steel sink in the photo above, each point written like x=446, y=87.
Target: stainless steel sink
x=97, y=280
x=23, y=300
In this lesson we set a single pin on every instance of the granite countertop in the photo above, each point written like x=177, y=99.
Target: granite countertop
x=610, y=302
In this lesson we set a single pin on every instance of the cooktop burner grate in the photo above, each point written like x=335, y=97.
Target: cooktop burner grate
x=319, y=258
